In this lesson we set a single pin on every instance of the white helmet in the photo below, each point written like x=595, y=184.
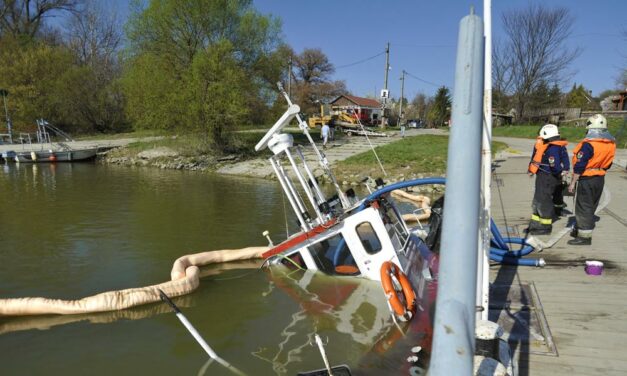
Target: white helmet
x=549, y=131
x=596, y=122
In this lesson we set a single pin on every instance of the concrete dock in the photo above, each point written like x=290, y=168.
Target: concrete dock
x=586, y=316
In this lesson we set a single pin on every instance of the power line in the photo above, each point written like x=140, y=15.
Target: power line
x=360, y=61
x=421, y=80
x=424, y=45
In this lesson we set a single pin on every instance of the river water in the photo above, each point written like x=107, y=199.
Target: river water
x=73, y=230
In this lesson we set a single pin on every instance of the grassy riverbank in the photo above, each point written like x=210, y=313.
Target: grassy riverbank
x=407, y=158
x=568, y=131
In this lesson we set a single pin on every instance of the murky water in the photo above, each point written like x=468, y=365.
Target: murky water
x=73, y=230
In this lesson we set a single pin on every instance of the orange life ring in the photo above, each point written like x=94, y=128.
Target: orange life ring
x=403, y=300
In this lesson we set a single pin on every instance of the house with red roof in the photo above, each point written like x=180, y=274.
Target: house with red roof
x=367, y=110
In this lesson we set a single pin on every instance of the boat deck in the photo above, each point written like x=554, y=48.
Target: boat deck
x=586, y=315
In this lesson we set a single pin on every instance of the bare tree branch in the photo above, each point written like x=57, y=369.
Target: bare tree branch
x=26, y=17
x=535, y=51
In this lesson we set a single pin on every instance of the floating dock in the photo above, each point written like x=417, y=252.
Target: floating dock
x=561, y=320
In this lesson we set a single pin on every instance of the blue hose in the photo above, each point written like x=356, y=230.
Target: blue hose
x=508, y=260
x=501, y=253
x=400, y=185
x=496, y=236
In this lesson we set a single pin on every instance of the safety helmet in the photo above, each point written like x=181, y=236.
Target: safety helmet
x=549, y=131
x=596, y=122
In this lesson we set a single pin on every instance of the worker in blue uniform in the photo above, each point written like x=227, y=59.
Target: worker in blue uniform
x=593, y=156
x=549, y=162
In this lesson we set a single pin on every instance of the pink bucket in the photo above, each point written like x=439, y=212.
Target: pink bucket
x=594, y=267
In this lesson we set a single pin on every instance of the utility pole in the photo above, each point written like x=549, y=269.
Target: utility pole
x=289, y=78
x=385, y=86
x=400, y=111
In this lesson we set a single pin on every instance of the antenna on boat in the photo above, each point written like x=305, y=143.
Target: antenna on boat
x=282, y=146
x=190, y=328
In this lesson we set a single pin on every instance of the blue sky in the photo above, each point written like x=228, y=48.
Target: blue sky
x=423, y=38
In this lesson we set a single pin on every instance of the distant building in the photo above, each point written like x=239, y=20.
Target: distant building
x=367, y=110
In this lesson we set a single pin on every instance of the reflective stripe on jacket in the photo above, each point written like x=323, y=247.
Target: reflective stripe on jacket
x=602, y=156
x=541, y=147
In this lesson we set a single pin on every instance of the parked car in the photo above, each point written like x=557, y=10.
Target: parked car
x=415, y=123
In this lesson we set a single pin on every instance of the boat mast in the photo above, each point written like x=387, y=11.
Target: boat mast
x=282, y=146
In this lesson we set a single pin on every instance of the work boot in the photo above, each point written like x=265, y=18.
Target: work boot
x=580, y=241
x=539, y=231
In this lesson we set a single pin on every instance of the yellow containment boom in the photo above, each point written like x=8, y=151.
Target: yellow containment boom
x=421, y=202
x=185, y=278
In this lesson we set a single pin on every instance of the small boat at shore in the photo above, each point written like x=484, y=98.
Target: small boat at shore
x=57, y=152
x=51, y=156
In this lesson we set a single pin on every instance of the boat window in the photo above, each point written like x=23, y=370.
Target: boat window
x=294, y=261
x=332, y=256
x=368, y=237
x=394, y=225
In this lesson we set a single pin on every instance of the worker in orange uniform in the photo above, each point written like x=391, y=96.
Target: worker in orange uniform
x=549, y=162
x=592, y=158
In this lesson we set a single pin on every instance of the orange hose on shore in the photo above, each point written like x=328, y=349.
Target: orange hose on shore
x=185, y=278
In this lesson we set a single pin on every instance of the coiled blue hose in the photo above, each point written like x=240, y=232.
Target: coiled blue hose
x=501, y=253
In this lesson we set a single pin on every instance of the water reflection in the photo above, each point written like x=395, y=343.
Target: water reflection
x=352, y=311
x=74, y=230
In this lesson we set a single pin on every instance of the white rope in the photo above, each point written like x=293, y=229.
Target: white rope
x=370, y=143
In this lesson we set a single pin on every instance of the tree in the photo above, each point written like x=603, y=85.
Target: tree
x=26, y=17
x=196, y=65
x=313, y=84
x=417, y=108
x=35, y=74
x=95, y=39
x=580, y=97
x=440, y=111
x=534, y=52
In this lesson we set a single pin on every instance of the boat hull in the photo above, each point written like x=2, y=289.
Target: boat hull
x=44, y=156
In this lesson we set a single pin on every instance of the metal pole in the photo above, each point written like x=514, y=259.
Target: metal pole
x=322, y=159
x=294, y=194
x=483, y=265
x=201, y=341
x=302, y=181
x=400, y=111
x=311, y=176
x=290, y=198
x=385, y=84
x=454, y=326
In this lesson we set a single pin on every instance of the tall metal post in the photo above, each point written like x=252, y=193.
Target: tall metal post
x=385, y=85
x=483, y=264
x=454, y=326
x=400, y=111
